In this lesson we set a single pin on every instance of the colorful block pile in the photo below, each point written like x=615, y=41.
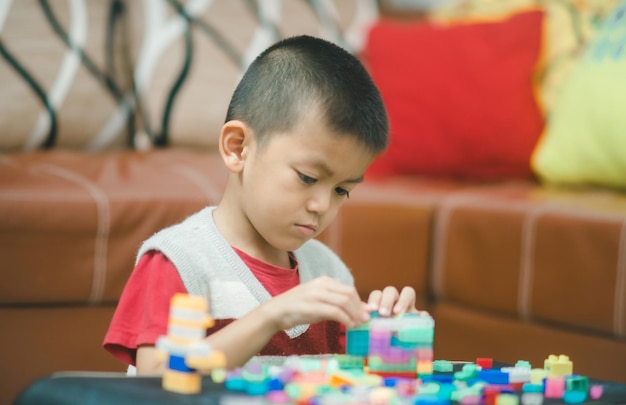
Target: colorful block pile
x=323, y=381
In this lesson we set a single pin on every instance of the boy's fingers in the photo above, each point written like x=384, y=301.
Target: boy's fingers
x=389, y=297
x=347, y=300
x=373, y=301
x=406, y=301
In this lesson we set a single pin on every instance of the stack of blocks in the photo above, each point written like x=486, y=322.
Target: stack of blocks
x=400, y=346
x=184, y=349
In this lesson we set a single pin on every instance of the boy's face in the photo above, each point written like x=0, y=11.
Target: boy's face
x=293, y=186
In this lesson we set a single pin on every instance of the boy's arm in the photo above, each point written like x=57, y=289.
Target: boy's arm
x=320, y=299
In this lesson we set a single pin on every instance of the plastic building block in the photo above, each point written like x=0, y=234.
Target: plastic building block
x=532, y=398
x=185, y=347
x=470, y=400
x=493, y=376
x=484, y=362
x=558, y=366
x=574, y=397
x=517, y=374
x=468, y=372
x=576, y=383
x=596, y=391
x=537, y=375
x=507, y=399
x=554, y=387
x=443, y=366
x=531, y=387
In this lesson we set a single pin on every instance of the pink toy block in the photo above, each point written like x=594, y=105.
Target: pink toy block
x=554, y=387
x=596, y=391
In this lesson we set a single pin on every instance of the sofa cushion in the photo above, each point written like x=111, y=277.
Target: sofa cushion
x=49, y=95
x=533, y=253
x=71, y=223
x=187, y=69
x=584, y=142
x=460, y=97
x=383, y=233
x=102, y=75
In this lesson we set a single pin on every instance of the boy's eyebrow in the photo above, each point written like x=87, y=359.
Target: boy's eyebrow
x=328, y=171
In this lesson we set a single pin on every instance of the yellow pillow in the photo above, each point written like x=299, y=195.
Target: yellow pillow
x=585, y=137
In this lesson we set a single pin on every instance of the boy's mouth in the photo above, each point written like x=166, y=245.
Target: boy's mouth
x=308, y=230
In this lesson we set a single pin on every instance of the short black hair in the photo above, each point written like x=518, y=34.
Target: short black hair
x=295, y=75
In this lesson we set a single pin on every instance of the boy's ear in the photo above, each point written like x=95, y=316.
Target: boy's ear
x=233, y=143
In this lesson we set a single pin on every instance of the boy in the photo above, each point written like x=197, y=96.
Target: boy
x=302, y=127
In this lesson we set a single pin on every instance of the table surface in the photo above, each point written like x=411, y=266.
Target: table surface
x=116, y=388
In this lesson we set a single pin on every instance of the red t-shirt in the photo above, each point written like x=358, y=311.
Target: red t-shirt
x=142, y=313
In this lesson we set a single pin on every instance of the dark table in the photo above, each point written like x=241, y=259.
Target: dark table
x=116, y=388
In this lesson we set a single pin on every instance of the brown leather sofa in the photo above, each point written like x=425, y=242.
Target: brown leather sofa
x=511, y=270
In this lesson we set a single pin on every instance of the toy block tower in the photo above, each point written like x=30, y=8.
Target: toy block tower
x=184, y=347
x=396, y=346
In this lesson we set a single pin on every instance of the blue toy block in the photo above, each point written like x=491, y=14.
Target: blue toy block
x=234, y=383
x=275, y=384
x=177, y=363
x=529, y=387
x=493, y=376
x=357, y=342
x=430, y=400
x=440, y=378
x=574, y=397
x=256, y=388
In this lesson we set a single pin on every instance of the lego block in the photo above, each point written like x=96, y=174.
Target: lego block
x=484, y=362
x=558, y=366
x=532, y=398
x=596, y=391
x=537, y=375
x=507, y=399
x=424, y=367
x=531, y=387
x=517, y=374
x=554, y=387
x=576, y=383
x=182, y=382
x=574, y=397
x=443, y=366
x=493, y=376
x=357, y=342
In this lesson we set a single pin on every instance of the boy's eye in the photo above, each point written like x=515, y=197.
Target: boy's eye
x=342, y=191
x=306, y=179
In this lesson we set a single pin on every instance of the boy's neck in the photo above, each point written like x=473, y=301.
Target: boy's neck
x=227, y=223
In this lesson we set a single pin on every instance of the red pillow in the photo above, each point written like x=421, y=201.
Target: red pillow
x=460, y=98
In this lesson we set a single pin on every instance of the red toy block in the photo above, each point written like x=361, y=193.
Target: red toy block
x=485, y=362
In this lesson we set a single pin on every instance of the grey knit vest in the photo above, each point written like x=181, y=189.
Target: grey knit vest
x=209, y=267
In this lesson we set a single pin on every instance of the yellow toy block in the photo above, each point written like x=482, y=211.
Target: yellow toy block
x=558, y=366
x=537, y=375
x=424, y=367
x=182, y=382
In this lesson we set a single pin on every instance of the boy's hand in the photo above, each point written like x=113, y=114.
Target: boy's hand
x=321, y=299
x=391, y=302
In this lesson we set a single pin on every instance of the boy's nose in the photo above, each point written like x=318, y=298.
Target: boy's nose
x=319, y=202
